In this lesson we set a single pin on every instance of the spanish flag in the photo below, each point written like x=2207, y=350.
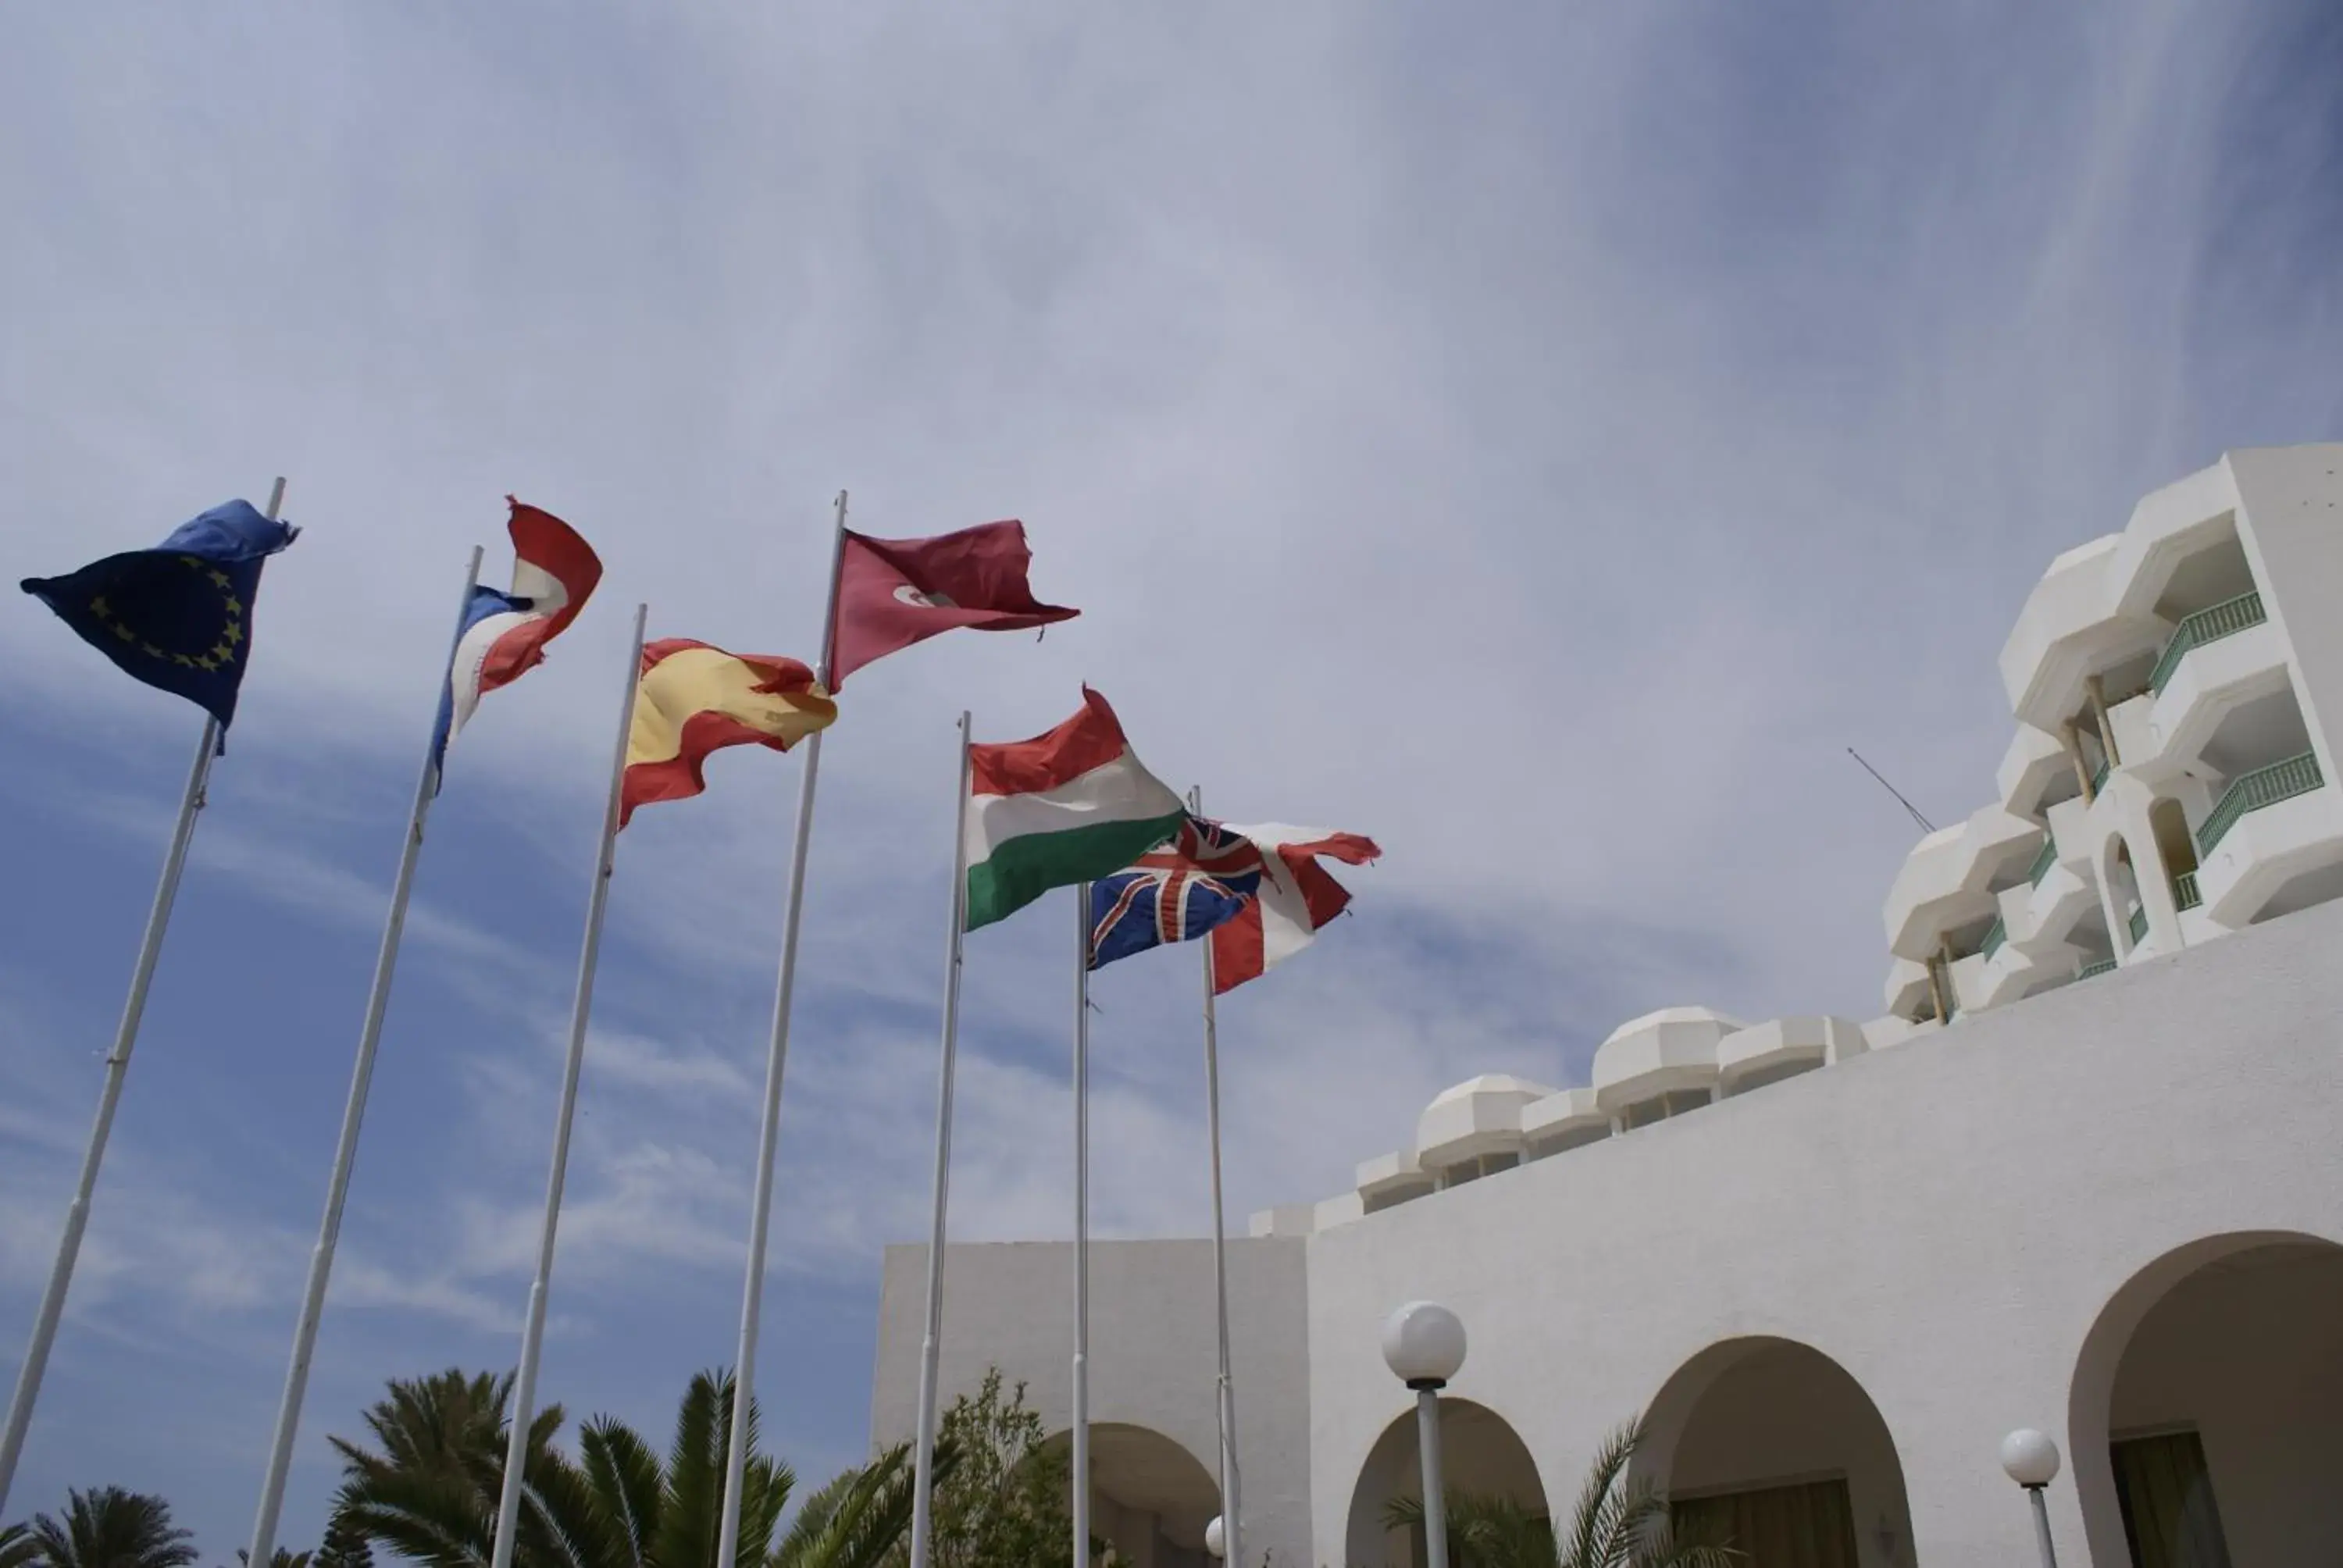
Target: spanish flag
x=692, y=699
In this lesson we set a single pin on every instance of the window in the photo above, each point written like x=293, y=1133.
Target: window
x=1810, y=1525
x=2170, y=1520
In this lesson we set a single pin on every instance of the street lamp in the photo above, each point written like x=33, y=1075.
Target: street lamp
x=2032, y=1462
x=1423, y=1345
x=1215, y=1541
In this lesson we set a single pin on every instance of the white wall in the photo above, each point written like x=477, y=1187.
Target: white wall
x=1153, y=1354
x=1947, y=1220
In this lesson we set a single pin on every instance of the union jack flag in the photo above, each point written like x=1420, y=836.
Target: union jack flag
x=1258, y=891
x=1202, y=879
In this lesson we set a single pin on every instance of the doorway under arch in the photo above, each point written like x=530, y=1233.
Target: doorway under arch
x=1774, y=1446
x=1150, y=1497
x=2205, y=1421
x=1481, y=1455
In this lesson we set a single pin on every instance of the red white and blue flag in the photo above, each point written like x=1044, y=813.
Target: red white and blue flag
x=1258, y=891
x=504, y=634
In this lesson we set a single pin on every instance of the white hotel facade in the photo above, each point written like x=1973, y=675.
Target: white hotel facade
x=2083, y=1174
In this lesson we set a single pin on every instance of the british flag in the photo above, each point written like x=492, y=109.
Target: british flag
x=1201, y=878
x=1259, y=892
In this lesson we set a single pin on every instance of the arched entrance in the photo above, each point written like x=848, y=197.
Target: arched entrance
x=1771, y=1444
x=1150, y=1497
x=1480, y=1456
x=2205, y=1416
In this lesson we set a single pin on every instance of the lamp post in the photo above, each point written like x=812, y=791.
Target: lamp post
x=2032, y=1462
x=1423, y=1345
x=1215, y=1539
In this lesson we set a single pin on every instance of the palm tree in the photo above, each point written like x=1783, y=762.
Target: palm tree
x=668, y=1516
x=109, y=1527
x=856, y=1519
x=1618, y=1523
x=16, y=1546
x=430, y=1494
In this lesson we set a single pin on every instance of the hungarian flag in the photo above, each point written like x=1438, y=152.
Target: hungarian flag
x=1062, y=807
x=692, y=699
x=892, y=593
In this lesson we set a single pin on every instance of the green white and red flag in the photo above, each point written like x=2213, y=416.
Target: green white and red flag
x=1067, y=807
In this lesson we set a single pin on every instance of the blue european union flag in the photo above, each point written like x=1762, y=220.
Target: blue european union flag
x=177, y=616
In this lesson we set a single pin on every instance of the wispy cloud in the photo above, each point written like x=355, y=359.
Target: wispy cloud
x=1544, y=444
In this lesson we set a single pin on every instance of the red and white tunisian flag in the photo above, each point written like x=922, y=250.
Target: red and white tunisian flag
x=1296, y=896
x=892, y=593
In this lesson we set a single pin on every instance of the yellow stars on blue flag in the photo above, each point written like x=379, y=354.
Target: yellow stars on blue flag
x=177, y=616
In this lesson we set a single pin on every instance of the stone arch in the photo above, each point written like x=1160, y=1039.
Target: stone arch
x=2119, y=883
x=1774, y=1443
x=1480, y=1452
x=2167, y=820
x=1150, y=1495
x=2215, y=1373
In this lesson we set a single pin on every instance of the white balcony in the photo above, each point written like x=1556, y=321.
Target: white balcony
x=1766, y=1053
x=1475, y=1121
x=2271, y=827
x=1564, y=1120
x=2068, y=629
x=2096, y=606
x=1393, y=1178
x=1948, y=880
x=1659, y=1057
x=2214, y=679
x=2036, y=769
x=1907, y=992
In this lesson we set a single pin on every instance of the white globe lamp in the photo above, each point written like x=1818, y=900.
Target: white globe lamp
x=2031, y=1459
x=1423, y=1345
x=1216, y=1539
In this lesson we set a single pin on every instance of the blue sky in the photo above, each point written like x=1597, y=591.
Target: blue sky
x=1543, y=443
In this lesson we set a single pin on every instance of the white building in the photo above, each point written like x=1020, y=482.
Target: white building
x=2086, y=1174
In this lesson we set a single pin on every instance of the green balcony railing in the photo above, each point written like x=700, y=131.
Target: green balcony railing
x=2138, y=926
x=1994, y=935
x=2183, y=890
x=2252, y=791
x=2043, y=861
x=2227, y=619
x=2090, y=970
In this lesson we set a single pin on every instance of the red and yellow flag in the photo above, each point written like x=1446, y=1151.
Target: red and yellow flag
x=692, y=699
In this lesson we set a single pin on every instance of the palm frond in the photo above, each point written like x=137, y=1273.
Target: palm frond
x=627, y=1482
x=858, y=1519
x=17, y=1547
x=1593, y=1519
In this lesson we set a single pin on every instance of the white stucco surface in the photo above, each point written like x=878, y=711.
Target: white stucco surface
x=1946, y=1221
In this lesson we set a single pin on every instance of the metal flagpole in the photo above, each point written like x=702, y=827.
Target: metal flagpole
x=776, y=1056
x=345, y=1149
x=1231, y=1486
x=532, y=1334
x=1081, y=1468
x=923, y=1475
x=118, y=1068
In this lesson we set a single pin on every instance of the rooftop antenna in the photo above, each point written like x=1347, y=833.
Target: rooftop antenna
x=1924, y=824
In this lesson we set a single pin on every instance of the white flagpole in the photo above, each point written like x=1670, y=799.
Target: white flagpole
x=532, y=1334
x=923, y=1475
x=118, y=1068
x=776, y=1056
x=1081, y=1468
x=1231, y=1508
x=345, y=1149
